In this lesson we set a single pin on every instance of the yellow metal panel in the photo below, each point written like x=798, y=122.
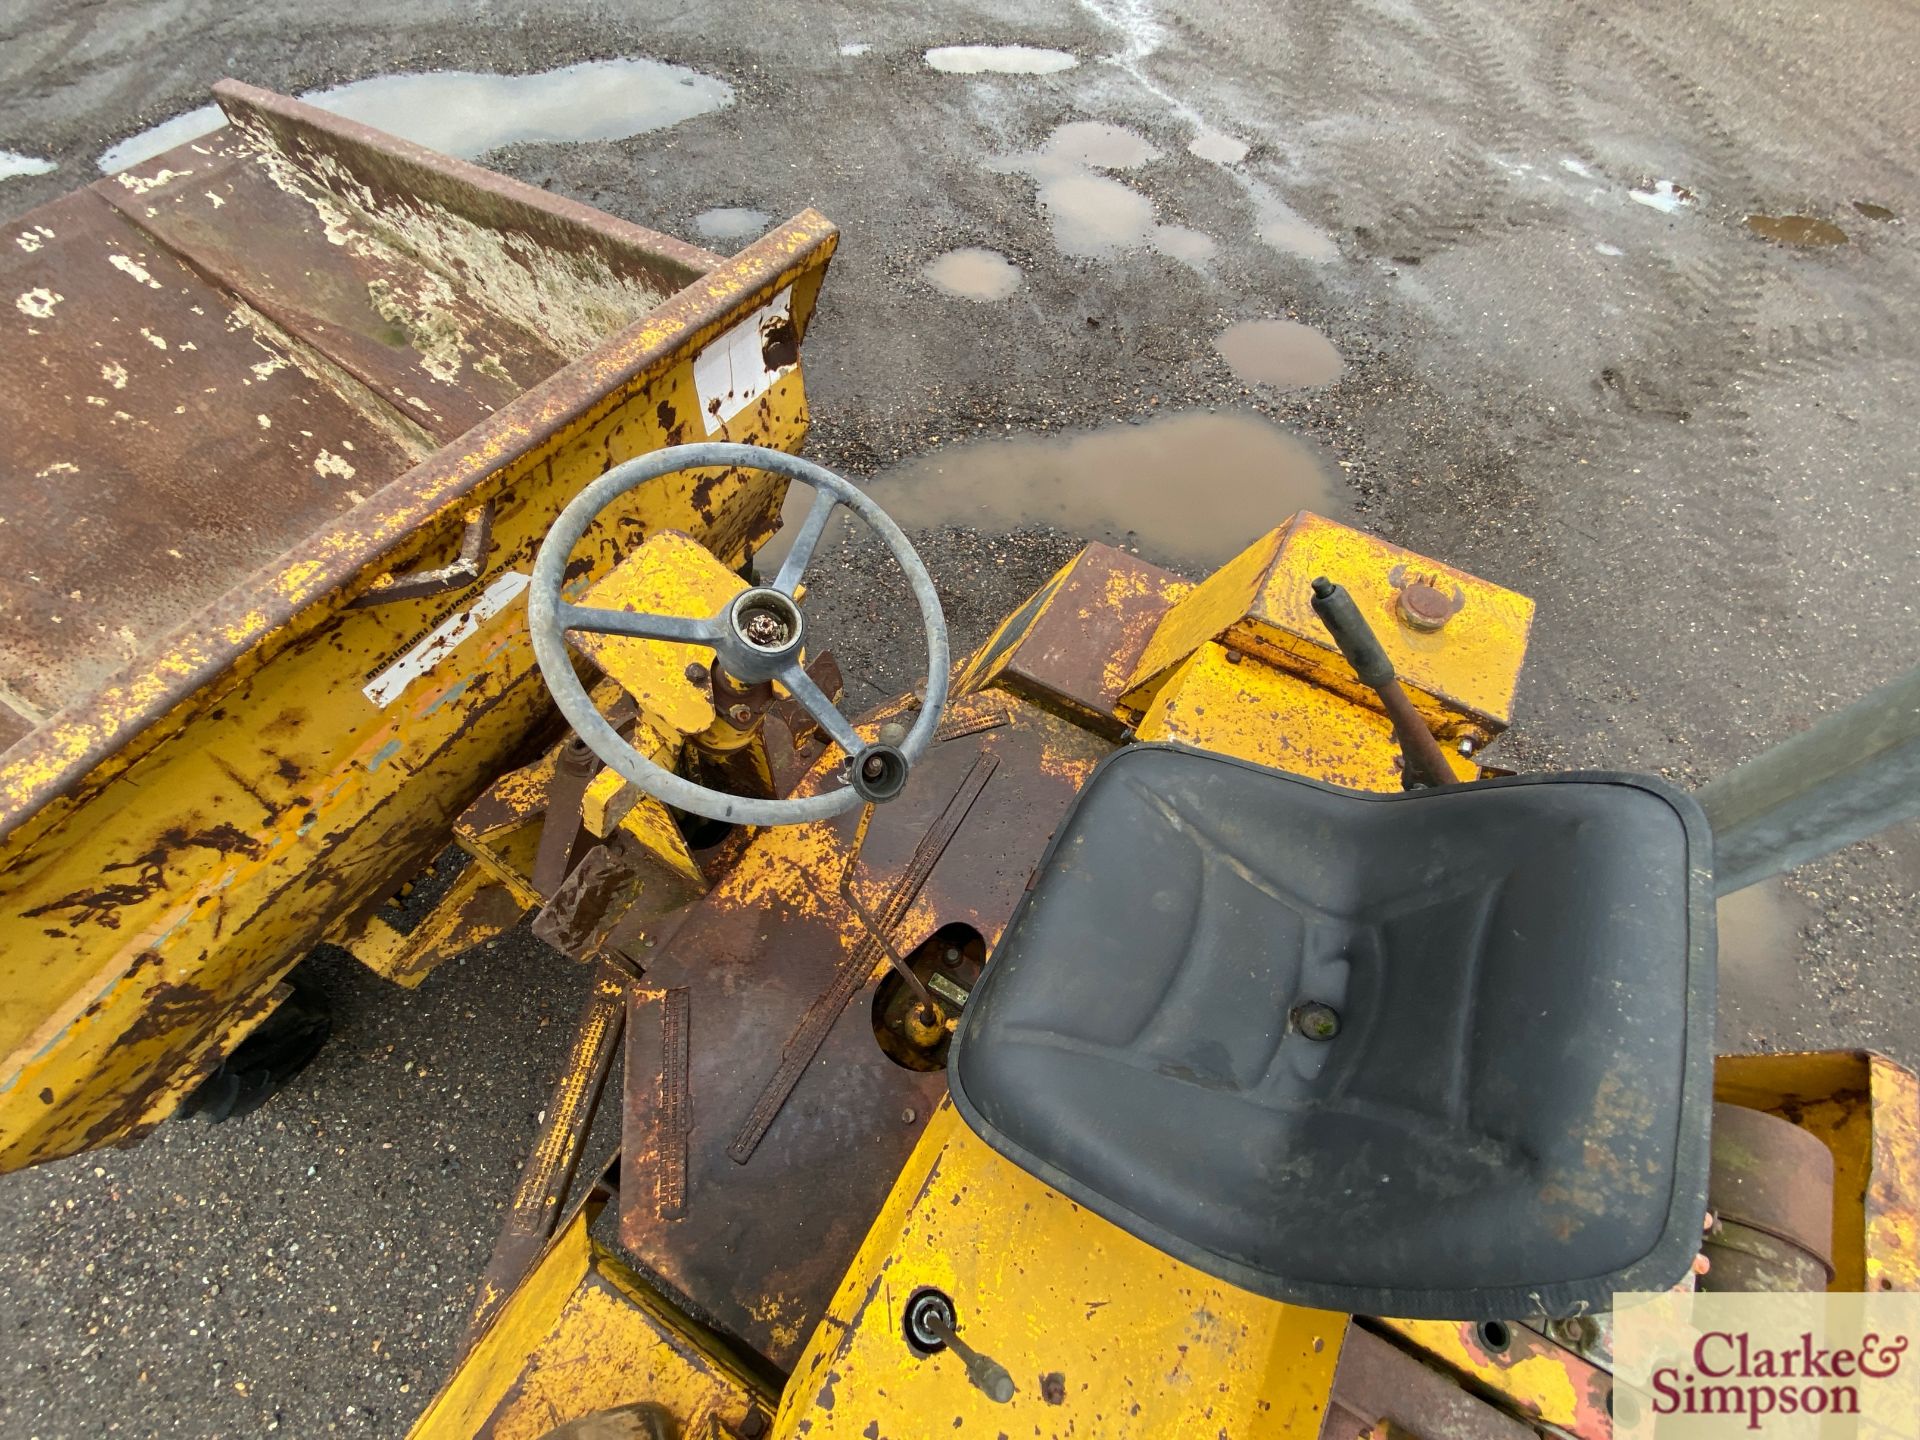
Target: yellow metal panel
x=1470, y=665
x=1461, y=676
x=1208, y=611
x=475, y=908
x=372, y=941
x=506, y=844
x=671, y=574
x=582, y=1334
x=1893, y=1179
x=216, y=842
x=1251, y=710
x=608, y=799
x=1102, y=1334
x=652, y=824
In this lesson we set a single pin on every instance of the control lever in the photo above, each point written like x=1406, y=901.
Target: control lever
x=930, y=1325
x=1426, y=763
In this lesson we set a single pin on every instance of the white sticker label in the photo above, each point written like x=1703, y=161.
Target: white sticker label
x=447, y=637
x=732, y=372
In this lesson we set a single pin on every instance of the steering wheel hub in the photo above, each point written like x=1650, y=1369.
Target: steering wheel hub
x=766, y=630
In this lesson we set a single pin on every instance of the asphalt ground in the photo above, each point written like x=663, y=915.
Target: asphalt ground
x=1691, y=444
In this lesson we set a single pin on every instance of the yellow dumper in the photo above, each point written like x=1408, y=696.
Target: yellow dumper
x=290, y=408
x=1161, y=1022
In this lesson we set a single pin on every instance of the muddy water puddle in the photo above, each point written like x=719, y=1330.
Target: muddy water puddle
x=1098, y=145
x=1221, y=149
x=731, y=222
x=1094, y=215
x=1279, y=225
x=1190, y=490
x=1196, y=247
x=1091, y=214
x=974, y=273
x=467, y=113
x=998, y=60
x=1760, y=949
x=1806, y=231
x=1873, y=211
x=1279, y=353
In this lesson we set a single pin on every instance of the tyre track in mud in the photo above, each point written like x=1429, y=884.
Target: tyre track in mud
x=1707, y=348
x=1485, y=114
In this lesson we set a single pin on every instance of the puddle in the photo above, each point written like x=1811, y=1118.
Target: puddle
x=1279, y=353
x=855, y=47
x=1873, y=211
x=13, y=163
x=1278, y=224
x=1220, y=149
x=1196, y=247
x=1099, y=146
x=202, y=120
x=1802, y=230
x=1191, y=490
x=999, y=60
x=467, y=113
x=1760, y=948
x=974, y=274
x=731, y=222
x=1092, y=215
x=1664, y=196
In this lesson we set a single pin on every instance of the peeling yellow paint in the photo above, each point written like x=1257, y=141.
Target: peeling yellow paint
x=127, y=265
x=142, y=184
x=38, y=303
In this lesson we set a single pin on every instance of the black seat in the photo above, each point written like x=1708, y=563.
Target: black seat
x=1510, y=1117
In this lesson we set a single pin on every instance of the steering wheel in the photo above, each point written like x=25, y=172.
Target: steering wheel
x=756, y=636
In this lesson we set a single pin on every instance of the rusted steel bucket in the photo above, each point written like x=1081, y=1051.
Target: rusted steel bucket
x=291, y=408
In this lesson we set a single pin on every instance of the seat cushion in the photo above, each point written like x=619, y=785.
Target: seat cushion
x=1511, y=1116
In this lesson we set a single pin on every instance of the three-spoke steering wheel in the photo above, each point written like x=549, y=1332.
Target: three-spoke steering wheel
x=756, y=636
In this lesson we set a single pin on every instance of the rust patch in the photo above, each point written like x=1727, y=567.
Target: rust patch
x=758, y=951
x=1081, y=649
x=1053, y=1388
x=99, y=906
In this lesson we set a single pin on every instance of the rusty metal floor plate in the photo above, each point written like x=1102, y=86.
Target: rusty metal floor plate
x=156, y=452
x=756, y=1247
x=416, y=340
x=202, y=370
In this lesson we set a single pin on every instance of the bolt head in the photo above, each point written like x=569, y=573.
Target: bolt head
x=740, y=715
x=697, y=673
x=1316, y=1020
x=1424, y=606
